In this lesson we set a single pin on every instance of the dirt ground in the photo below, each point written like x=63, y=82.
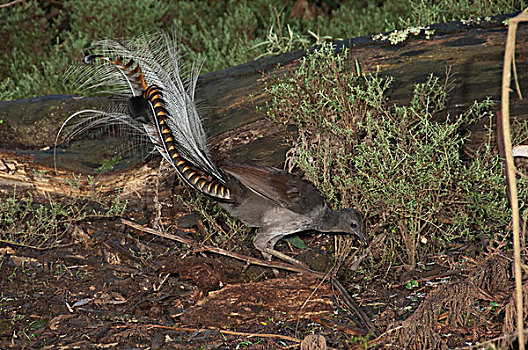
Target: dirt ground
x=110, y=285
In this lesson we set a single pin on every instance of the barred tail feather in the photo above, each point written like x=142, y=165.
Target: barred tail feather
x=163, y=139
x=133, y=76
x=148, y=67
x=157, y=55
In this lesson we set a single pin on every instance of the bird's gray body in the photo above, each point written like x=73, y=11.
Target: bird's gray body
x=280, y=204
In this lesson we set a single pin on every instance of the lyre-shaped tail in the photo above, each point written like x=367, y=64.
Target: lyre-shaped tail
x=147, y=71
x=163, y=138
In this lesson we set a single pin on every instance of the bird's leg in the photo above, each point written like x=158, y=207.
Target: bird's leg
x=265, y=244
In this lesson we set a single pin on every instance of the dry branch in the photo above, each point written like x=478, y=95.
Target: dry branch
x=12, y=3
x=510, y=170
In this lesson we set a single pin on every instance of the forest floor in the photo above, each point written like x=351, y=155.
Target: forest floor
x=108, y=284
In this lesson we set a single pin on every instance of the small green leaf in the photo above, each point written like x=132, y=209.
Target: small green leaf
x=411, y=284
x=297, y=242
x=39, y=324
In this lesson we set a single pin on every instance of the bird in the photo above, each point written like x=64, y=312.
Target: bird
x=278, y=203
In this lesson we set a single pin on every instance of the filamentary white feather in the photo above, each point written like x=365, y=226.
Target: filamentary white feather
x=157, y=56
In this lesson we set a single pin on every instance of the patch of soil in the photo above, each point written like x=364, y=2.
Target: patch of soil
x=109, y=285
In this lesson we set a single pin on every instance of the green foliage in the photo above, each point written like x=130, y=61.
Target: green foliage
x=400, y=165
x=358, y=18
x=96, y=19
x=26, y=37
x=26, y=222
x=424, y=12
x=42, y=38
x=224, y=41
x=281, y=36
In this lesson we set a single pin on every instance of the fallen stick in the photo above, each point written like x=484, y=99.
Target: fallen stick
x=247, y=259
x=221, y=331
x=250, y=260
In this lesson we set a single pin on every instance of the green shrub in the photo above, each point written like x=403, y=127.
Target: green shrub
x=26, y=37
x=400, y=165
x=220, y=42
x=425, y=12
x=94, y=20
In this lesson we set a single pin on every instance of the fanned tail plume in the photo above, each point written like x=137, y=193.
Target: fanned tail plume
x=146, y=71
x=163, y=138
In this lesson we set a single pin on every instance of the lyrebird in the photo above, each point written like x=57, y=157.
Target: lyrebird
x=277, y=202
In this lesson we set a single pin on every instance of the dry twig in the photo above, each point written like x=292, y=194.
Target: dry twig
x=247, y=259
x=12, y=3
x=510, y=170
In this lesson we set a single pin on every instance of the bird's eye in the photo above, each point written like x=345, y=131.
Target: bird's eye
x=353, y=225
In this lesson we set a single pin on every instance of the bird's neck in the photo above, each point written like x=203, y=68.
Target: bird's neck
x=325, y=218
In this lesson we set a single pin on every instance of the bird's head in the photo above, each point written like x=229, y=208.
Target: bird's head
x=347, y=220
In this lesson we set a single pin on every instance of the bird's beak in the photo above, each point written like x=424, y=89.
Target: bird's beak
x=361, y=238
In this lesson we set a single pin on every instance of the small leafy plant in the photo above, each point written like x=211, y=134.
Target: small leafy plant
x=403, y=166
x=27, y=222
